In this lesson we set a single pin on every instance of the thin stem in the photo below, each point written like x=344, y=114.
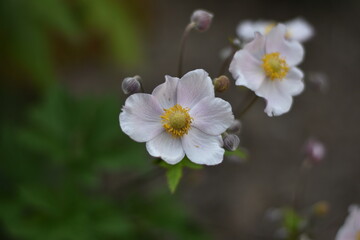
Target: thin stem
x=226, y=62
x=253, y=100
x=300, y=185
x=184, y=37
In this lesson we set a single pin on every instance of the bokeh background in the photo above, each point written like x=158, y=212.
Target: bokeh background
x=68, y=172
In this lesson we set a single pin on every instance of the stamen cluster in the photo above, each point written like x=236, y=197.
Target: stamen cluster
x=274, y=66
x=176, y=120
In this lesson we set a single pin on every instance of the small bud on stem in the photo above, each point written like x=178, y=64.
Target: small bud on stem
x=231, y=142
x=202, y=20
x=131, y=85
x=221, y=83
x=314, y=151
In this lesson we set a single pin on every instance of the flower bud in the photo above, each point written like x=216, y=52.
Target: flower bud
x=234, y=127
x=320, y=81
x=321, y=208
x=202, y=20
x=221, y=83
x=231, y=142
x=314, y=151
x=131, y=85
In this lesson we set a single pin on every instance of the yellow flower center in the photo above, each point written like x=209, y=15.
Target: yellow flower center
x=176, y=120
x=358, y=236
x=274, y=66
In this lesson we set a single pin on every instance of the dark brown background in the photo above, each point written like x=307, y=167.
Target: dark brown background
x=230, y=200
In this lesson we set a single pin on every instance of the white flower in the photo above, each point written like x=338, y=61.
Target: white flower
x=181, y=116
x=297, y=29
x=351, y=228
x=266, y=65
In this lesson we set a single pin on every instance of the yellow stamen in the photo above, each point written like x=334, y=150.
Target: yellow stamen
x=274, y=66
x=176, y=120
x=358, y=236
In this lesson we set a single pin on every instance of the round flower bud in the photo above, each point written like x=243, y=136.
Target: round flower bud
x=235, y=127
x=202, y=20
x=221, y=83
x=131, y=85
x=321, y=208
x=314, y=151
x=231, y=142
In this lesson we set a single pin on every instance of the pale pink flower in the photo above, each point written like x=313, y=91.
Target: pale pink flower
x=267, y=66
x=181, y=117
x=297, y=29
x=351, y=228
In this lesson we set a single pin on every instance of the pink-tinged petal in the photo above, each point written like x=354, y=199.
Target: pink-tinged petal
x=140, y=117
x=247, y=70
x=293, y=83
x=202, y=148
x=257, y=46
x=246, y=30
x=193, y=87
x=277, y=102
x=292, y=51
x=166, y=93
x=351, y=227
x=212, y=115
x=166, y=147
x=299, y=30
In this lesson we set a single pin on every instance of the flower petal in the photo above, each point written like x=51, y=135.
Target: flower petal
x=166, y=147
x=202, y=148
x=140, y=117
x=166, y=93
x=293, y=83
x=277, y=101
x=212, y=115
x=193, y=87
x=247, y=70
x=246, y=30
x=292, y=51
x=257, y=46
x=299, y=30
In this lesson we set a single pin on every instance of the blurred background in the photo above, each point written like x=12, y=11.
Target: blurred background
x=68, y=172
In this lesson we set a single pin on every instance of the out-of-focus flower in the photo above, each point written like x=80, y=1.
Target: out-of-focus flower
x=319, y=80
x=131, y=85
x=297, y=29
x=202, y=20
x=274, y=214
x=321, y=208
x=351, y=228
x=267, y=65
x=221, y=83
x=314, y=151
x=231, y=142
x=181, y=116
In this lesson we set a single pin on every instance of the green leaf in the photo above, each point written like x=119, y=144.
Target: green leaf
x=292, y=222
x=187, y=163
x=174, y=174
x=240, y=152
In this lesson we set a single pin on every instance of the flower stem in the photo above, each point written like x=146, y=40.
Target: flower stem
x=184, y=37
x=226, y=62
x=246, y=109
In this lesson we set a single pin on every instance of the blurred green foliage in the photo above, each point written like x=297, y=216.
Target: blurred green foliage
x=52, y=169
x=28, y=30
